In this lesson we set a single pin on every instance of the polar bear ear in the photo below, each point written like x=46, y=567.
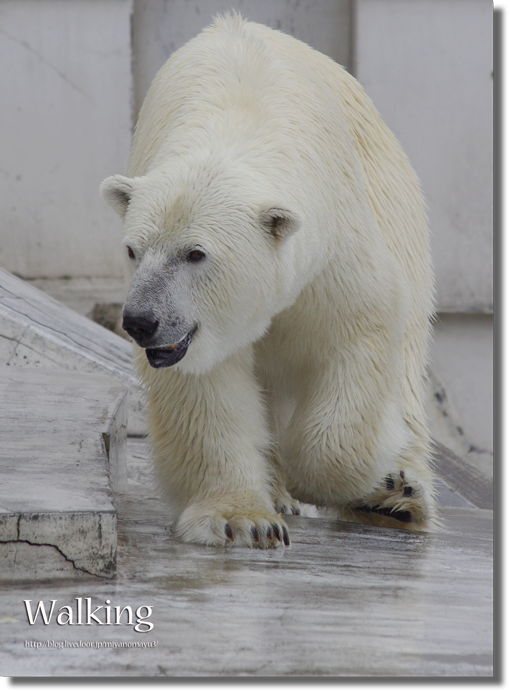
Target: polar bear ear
x=280, y=223
x=116, y=191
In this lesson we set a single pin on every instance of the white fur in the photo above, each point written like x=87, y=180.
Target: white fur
x=306, y=372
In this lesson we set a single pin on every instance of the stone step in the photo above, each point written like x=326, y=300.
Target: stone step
x=38, y=331
x=62, y=456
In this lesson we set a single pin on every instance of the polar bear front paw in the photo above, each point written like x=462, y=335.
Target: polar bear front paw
x=224, y=526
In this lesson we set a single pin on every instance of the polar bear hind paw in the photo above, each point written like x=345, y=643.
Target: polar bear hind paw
x=397, y=498
x=232, y=529
x=287, y=505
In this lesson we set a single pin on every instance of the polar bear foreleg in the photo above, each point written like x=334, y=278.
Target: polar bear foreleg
x=209, y=442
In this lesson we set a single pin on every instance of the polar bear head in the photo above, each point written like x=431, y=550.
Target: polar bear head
x=210, y=251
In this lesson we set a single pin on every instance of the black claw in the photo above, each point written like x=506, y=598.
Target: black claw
x=296, y=510
x=408, y=491
x=286, y=538
x=269, y=533
x=255, y=534
x=283, y=509
x=402, y=515
x=368, y=508
x=402, y=475
x=277, y=533
x=390, y=483
x=228, y=532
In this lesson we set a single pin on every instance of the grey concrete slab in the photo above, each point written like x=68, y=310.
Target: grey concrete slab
x=38, y=331
x=447, y=497
x=464, y=479
x=343, y=600
x=62, y=455
x=81, y=294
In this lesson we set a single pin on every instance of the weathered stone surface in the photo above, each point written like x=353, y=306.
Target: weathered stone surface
x=62, y=454
x=37, y=331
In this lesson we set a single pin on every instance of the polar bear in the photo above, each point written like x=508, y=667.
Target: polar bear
x=280, y=292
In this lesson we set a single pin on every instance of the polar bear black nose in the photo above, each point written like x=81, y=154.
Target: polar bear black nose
x=140, y=326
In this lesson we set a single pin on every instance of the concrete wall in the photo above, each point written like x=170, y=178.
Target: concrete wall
x=66, y=122
x=427, y=65
x=163, y=26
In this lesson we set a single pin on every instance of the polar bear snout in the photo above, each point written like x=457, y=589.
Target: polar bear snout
x=140, y=326
x=143, y=328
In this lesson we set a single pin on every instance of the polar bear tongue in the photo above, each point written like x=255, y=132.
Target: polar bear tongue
x=166, y=356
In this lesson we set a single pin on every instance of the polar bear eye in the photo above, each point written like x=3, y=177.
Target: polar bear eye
x=130, y=252
x=195, y=256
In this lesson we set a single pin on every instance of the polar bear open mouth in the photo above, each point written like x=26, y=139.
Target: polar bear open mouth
x=165, y=356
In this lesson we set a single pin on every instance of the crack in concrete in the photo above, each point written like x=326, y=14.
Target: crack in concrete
x=40, y=353
x=16, y=340
x=43, y=60
x=49, y=545
x=46, y=545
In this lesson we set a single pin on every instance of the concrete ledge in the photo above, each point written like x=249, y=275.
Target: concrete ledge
x=38, y=331
x=55, y=545
x=463, y=478
x=62, y=455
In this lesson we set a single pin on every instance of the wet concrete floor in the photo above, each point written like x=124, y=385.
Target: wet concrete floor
x=343, y=600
